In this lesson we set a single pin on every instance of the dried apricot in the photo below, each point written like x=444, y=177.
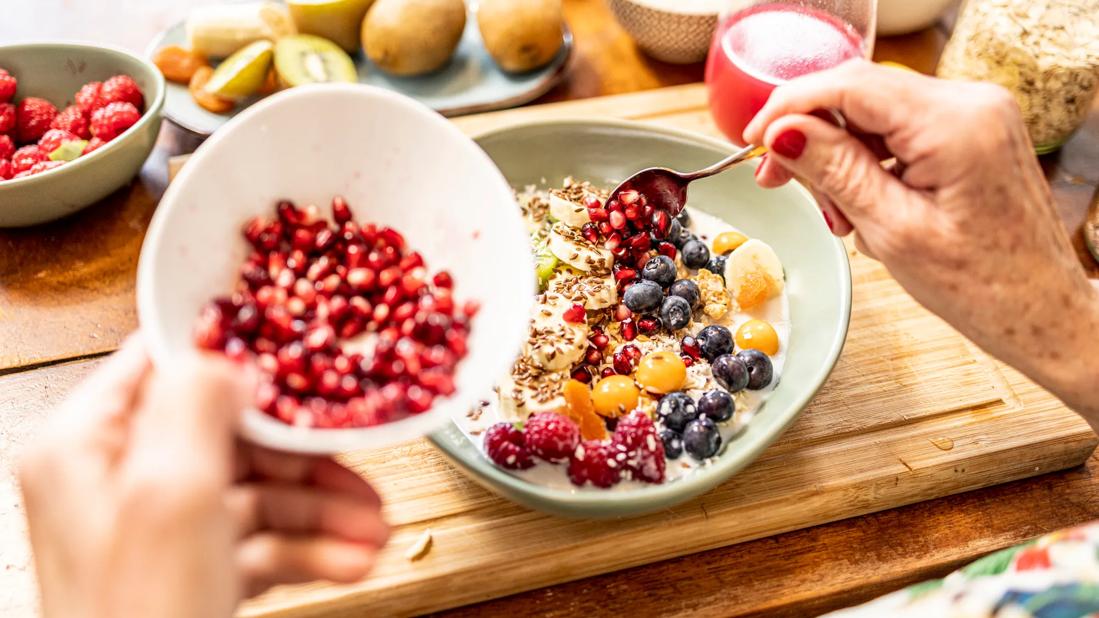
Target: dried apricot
x=208, y=101
x=755, y=288
x=178, y=64
x=270, y=85
x=581, y=409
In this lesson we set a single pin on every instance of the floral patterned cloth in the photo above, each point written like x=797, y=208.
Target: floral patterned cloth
x=1054, y=576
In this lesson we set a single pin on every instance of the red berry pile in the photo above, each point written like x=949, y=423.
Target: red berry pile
x=343, y=320
x=634, y=451
x=36, y=137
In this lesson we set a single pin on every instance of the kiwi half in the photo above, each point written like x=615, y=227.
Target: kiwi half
x=306, y=59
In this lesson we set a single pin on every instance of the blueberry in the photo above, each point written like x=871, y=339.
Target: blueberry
x=717, y=405
x=701, y=438
x=695, y=253
x=688, y=291
x=643, y=296
x=673, y=443
x=675, y=313
x=676, y=410
x=675, y=230
x=730, y=372
x=760, y=370
x=716, y=265
x=684, y=236
x=714, y=341
x=660, y=269
x=684, y=217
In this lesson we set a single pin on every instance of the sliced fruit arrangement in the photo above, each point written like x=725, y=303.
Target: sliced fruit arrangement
x=646, y=342
x=347, y=326
x=35, y=137
x=267, y=45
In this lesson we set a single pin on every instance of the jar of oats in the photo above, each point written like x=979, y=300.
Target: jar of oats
x=1046, y=52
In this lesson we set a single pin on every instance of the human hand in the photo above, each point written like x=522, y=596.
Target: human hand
x=966, y=223
x=140, y=501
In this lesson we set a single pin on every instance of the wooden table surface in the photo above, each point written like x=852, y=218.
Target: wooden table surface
x=61, y=287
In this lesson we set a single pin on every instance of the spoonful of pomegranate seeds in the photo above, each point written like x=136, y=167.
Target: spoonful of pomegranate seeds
x=666, y=189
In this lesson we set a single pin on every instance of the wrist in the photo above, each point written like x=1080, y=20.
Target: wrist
x=1074, y=377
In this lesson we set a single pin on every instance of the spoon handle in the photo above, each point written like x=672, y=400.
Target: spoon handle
x=748, y=152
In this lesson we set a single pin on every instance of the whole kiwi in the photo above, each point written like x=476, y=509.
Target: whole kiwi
x=521, y=35
x=412, y=37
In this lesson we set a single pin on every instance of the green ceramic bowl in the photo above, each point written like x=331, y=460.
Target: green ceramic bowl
x=55, y=71
x=817, y=272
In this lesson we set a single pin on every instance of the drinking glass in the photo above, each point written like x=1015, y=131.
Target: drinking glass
x=760, y=44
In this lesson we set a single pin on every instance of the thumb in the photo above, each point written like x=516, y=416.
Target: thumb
x=836, y=164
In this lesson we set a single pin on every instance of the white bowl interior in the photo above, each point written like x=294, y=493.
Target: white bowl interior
x=397, y=163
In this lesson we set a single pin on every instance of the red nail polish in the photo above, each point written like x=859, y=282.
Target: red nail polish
x=759, y=168
x=789, y=144
x=828, y=220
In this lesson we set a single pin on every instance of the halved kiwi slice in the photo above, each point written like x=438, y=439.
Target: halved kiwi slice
x=545, y=264
x=306, y=59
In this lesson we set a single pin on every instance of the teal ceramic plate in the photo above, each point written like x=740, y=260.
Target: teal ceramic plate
x=818, y=283
x=471, y=83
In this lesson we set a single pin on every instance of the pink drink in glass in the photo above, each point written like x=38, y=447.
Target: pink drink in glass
x=760, y=47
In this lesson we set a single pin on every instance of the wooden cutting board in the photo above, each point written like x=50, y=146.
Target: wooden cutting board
x=913, y=411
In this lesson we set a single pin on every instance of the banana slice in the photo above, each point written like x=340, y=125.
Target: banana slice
x=553, y=343
x=219, y=30
x=567, y=211
x=753, y=273
x=528, y=389
x=594, y=291
x=570, y=246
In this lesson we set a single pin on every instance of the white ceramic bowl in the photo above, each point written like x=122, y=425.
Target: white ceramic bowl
x=904, y=16
x=677, y=32
x=398, y=164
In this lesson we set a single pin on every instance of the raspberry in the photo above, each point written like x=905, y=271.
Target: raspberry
x=599, y=462
x=5, y=169
x=7, y=147
x=121, y=89
x=53, y=139
x=87, y=98
x=7, y=86
x=32, y=118
x=45, y=166
x=7, y=117
x=112, y=119
x=644, y=449
x=93, y=144
x=24, y=159
x=551, y=436
x=73, y=120
x=504, y=445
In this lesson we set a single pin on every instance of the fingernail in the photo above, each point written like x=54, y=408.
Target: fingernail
x=828, y=220
x=789, y=144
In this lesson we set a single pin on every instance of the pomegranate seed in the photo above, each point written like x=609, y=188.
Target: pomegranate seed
x=600, y=341
x=391, y=237
x=590, y=232
x=581, y=374
x=352, y=327
x=628, y=197
x=456, y=341
x=659, y=224
x=297, y=262
x=329, y=383
x=690, y=346
x=607, y=372
x=297, y=382
x=288, y=213
x=388, y=277
x=605, y=228
x=666, y=248
x=413, y=282
x=632, y=212
x=266, y=396
x=356, y=256
x=687, y=360
x=320, y=338
x=418, y=399
x=470, y=308
x=350, y=233
x=442, y=279
x=341, y=212
x=622, y=312
x=576, y=314
x=324, y=240
x=247, y=320
x=404, y=311
x=381, y=313
x=443, y=301
x=629, y=330
x=597, y=214
x=410, y=261
x=266, y=346
x=622, y=364
x=639, y=242
x=593, y=357
x=617, y=220
x=296, y=307
x=647, y=212
x=286, y=408
x=349, y=387
x=620, y=252
x=303, y=238
x=614, y=206
x=648, y=326
x=255, y=275
x=361, y=279
x=632, y=352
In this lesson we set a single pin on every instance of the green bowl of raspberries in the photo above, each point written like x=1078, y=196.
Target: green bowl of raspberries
x=77, y=121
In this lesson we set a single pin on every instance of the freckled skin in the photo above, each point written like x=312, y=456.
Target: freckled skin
x=969, y=229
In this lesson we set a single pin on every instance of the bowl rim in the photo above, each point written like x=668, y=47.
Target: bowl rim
x=152, y=109
x=276, y=434
x=644, y=499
